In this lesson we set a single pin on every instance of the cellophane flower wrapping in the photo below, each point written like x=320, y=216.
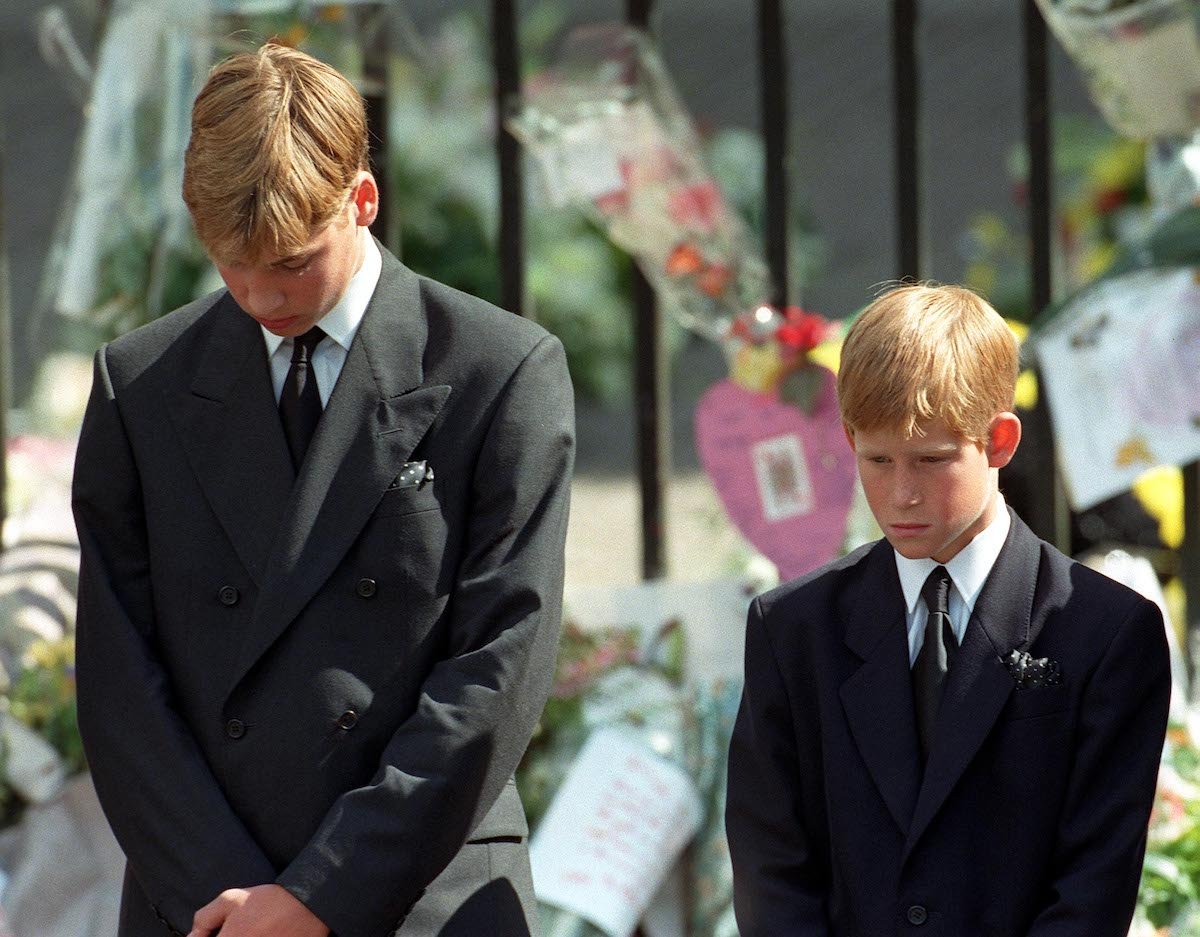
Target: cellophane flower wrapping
x=610, y=135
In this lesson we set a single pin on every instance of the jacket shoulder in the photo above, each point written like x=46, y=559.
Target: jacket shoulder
x=1087, y=596
x=128, y=356
x=469, y=324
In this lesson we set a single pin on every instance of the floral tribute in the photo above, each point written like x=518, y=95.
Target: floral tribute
x=630, y=678
x=610, y=135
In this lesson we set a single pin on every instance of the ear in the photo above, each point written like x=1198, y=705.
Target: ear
x=1004, y=435
x=849, y=436
x=365, y=198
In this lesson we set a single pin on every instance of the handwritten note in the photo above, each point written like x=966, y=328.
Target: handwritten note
x=613, y=832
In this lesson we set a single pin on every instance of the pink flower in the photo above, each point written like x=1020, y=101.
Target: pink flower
x=696, y=206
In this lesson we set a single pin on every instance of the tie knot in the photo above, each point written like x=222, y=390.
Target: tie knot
x=303, y=345
x=936, y=591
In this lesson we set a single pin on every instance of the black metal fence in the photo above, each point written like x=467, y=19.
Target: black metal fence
x=1047, y=512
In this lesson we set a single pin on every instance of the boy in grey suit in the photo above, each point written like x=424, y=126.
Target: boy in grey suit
x=322, y=516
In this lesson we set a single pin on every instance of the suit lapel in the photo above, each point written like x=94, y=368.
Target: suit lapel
x=877, y=698
x=376, y=416
x=231, y=433
x=979, y=683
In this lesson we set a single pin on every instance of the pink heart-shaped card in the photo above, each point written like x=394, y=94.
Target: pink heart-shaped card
x=786, y=478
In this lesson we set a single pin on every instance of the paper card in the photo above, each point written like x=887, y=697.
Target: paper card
x=784, y=487
x=1120, y=368
x=613, y=832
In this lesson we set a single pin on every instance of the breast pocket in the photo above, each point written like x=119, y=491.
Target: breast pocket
x=1038, y=701
x=408, y=500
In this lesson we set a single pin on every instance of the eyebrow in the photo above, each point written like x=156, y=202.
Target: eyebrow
x=303, y=255
x=939, y=449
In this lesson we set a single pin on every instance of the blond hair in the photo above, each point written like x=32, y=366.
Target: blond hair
x=927, y=352
x=277, y=140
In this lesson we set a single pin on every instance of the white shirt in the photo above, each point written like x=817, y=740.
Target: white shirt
x=340, y=325
x=968, y=572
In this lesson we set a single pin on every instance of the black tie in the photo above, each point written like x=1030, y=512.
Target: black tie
x=935, y=657
x=300, y=402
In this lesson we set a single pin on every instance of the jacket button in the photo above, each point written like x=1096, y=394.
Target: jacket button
x=228, y=595
x=365, y=588
x=917, y=915
x=348, y=720
x=235, y=728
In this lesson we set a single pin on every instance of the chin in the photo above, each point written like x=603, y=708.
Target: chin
x=910, y=550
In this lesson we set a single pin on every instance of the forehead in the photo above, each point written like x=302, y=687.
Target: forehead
x=935, y=436
x=265, y=258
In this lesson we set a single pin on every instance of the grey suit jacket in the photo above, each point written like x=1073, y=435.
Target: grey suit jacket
x=324, y=680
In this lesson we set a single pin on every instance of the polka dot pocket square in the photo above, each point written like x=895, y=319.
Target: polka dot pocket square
x=413, y=475
x=1031, y=672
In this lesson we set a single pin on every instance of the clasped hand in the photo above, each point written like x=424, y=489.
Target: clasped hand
x=261, y=911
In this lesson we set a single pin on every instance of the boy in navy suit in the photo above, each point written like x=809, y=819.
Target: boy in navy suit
x=955, y=730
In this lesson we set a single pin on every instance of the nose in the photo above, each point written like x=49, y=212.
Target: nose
x=907, y=490
x=262, y=299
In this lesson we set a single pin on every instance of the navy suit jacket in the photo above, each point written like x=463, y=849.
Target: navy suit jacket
x=324, y=679
x=1029, y=819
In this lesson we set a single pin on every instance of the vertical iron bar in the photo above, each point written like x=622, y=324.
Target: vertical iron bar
x=1189, y=571
x=375, y=80
x=1037, y=140
x=773, y=74
x=651, y=394
x=506, y=59
x=5, y=354
x=1050, y=516
x=908, y=180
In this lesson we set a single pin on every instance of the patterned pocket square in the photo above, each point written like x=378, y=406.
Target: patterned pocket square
x=413, y=475
x=1032, y=672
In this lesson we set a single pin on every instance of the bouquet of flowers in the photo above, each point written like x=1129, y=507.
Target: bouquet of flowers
x=610, y=134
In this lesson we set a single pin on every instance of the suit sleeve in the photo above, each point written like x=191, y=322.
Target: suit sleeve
x=183, y=841
x=380, y=845
x=1103, y=825
x=780, y=881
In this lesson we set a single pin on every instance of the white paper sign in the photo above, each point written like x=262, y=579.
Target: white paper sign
x=1121, y=371
x=613, y=832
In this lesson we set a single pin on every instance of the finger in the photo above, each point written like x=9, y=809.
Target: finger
x=208, y=919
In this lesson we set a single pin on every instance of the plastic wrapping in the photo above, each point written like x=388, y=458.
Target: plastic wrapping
x=1141, y=60
x=610, y=135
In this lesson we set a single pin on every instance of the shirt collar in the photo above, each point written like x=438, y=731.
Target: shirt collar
x=342, y=321
x=968, y=569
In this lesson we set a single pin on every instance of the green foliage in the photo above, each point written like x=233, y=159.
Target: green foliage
x=1171, y=874
x=1100, y=187
x=585, y=658
x=43, y=697
x=1170, y=885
